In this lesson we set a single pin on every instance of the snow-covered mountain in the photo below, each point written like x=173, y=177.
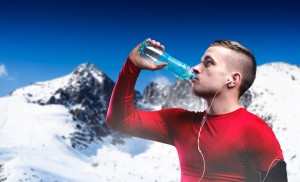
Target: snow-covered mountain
x=55, y=130
x=276, y=98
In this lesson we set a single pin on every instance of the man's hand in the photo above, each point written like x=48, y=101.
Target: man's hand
x=141, y=62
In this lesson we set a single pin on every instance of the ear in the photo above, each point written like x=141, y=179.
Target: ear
x=236, y=78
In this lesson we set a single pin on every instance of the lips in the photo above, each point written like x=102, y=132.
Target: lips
x=195, y=80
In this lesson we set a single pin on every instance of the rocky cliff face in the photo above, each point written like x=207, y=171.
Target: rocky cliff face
x=86, y=93
x=179, y=95
x=87, y=96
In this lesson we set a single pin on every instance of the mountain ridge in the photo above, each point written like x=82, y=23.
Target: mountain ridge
x=78, y=103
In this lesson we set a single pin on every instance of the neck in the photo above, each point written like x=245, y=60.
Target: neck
x=221, y=105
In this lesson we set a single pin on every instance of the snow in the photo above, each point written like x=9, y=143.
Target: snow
x=42, y=90
x=149, y=166
x=278, y=86
x=35, y=139
x=34, y=146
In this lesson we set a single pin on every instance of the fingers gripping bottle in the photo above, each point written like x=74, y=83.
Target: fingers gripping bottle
x=179, y=69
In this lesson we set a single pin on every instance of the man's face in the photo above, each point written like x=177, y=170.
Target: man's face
x=212, y=72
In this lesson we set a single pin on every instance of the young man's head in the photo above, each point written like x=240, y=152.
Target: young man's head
x=224, y=60
x=242, y=61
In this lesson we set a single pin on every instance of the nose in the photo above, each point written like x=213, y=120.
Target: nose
x=196, y=69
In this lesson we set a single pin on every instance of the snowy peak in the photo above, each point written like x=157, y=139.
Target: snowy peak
x=177, y=95
x=87, y=70
x=85, y=92
x=85, y=75
x=278, y=80
x=87, y=96
x=155, y=94
x=86, y=67
x=279, y=72
x=85, y=85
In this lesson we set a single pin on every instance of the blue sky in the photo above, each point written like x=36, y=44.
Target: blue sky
x=45, y=39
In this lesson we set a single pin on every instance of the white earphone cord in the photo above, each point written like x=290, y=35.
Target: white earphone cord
x=269, y=169
x=201, y=126
x=198, y=140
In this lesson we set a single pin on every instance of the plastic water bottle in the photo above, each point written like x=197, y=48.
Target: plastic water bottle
x=179, y=69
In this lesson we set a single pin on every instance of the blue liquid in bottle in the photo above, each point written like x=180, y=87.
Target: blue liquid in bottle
x=179, y=69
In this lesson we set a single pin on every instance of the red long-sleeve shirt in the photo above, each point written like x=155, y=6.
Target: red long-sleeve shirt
x=234, y=145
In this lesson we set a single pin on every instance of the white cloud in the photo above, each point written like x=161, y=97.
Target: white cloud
x=3, y=71
x=161, y=80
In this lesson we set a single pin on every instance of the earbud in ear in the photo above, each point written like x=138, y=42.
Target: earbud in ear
x=229, y=81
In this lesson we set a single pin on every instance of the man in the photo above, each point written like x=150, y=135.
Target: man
x=223, y=143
